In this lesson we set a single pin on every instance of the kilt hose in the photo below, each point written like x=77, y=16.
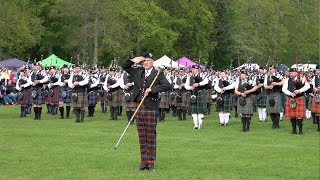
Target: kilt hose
x=184, y=102
x=82, y=100
x=164, y=100
x=200, y=106
x=227, y=103
x=315, y=107
x=92, y=97
x=146, y=120
x=261, y=99
x=55, y=97
x=26, y=97
x=116, y=99
x=67, y=99
x=298, y=112
x=277, y=108
x=247, y=109
x=39, y=100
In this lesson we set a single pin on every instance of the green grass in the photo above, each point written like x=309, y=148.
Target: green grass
x=61, y=149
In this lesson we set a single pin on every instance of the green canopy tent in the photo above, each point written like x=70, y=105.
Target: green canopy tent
x=54, y=60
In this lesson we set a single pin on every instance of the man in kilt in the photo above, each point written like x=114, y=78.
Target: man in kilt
x=261, y=96
x=92, y=91
x=244, y=89
x=54, y=90
x=121, y=94
x=101, y=93
x=294, y=87
x=113, y=90
x=37, y=79
x=315, y=105
x=64, y=92
x=198, y=102
x=23, y=87
x=273, y=85
x=225, y=89
x=182, y=94
x=78, y=82
x=126, y=83
x=165, y=98
x=46, y=90
x=146, y=116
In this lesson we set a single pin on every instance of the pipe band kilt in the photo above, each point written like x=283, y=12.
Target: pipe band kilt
x=164, y=100
x=82, y=100
x=146, y=120
x=227, y=103
x=116, y=99
x=40, y=96
x=67, y=99
x=261, y=99
x=55, y=97
x=299, y=111
x=185, y=97
x=247, y=108
x=209, y=96
x=201, y=104
x=130, y=105
x=92, y=97
x=277, y=108
x=315, y=107
x=26, y=97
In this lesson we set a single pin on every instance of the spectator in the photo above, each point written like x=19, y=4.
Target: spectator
x=4, y=75
x=10, y=96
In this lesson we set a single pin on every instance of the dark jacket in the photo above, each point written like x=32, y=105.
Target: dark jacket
x=141, y=83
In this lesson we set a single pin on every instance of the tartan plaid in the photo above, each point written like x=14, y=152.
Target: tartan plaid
x=130, y=106
x=262, y=102
x=68, y=97
x=82, y=101
x=209, y=96
x=116, y=99
x=283, y=100
x=184, y=102
x=146, y=120
x=55, y=97
x=315, y=108
x=234, y=100
x=26, y=97
x=247, y=108
x=299, y=111
x=227, y=103
x=92, y=97
x=102, y=98
x=201, y=105
x=277, y=108
x=40, y=97
x=164, y=101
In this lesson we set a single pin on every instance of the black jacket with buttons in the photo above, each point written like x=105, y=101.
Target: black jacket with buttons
x=141, y=83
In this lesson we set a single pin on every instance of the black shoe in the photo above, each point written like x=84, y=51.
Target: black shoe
x=152, y=169
x=226, y=124
x=141, y=168
x=300, y=132
x=194, y=127
x=294, y=132
x=67, y=117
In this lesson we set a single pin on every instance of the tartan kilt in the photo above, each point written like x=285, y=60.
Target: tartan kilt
x=40, y=97
x=308, y=102
x=102, y=98
x=171, y=101
x=82, y=101
x=262, y=102
x=283, y=100
x=201, y=104
x=227, y=103
x=209, y=96
x=68, y=97
x=116, y=99
x=299, y=111
x=234, y=100
x=55, y=97
x=185, y=100
x=277, y=108
x=164, y=100
x=92, y=97
x=26, y=97
x=247, y=108
x=315, y=108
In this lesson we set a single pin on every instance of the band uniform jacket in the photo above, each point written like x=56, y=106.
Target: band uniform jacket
x=141, y=83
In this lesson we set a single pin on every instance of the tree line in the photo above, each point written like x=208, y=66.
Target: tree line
x=220, y=33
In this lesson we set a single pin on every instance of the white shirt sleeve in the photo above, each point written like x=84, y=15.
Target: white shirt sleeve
x=85, y=81
x=105, y=84
x=187, y=84
x=70, y=81
x=175, y=83
x=204, y=82
x=285, y=87
x=305, y=87
x=121, y=81
x=45, y=79
x=216, y=87
x=95, y=84
x=17, y=85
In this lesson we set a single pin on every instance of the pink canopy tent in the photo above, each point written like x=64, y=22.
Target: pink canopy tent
x=187, y=62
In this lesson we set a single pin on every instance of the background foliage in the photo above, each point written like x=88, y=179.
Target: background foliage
x=268, y=31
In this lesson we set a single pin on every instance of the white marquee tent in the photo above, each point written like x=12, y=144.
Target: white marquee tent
x=166, y=61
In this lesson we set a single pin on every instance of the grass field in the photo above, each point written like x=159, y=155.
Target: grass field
x=61, y=149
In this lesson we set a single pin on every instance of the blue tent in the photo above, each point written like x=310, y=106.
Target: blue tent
x=12, y=63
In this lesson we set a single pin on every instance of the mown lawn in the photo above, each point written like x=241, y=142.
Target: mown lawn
x=61, y=149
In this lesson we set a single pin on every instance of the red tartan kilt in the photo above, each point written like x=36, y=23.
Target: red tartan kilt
x=299, y=111
x=55, y=97
x=315, y=108
x=26, y=97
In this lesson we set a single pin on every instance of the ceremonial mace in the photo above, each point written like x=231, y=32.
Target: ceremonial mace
x=135, y=112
